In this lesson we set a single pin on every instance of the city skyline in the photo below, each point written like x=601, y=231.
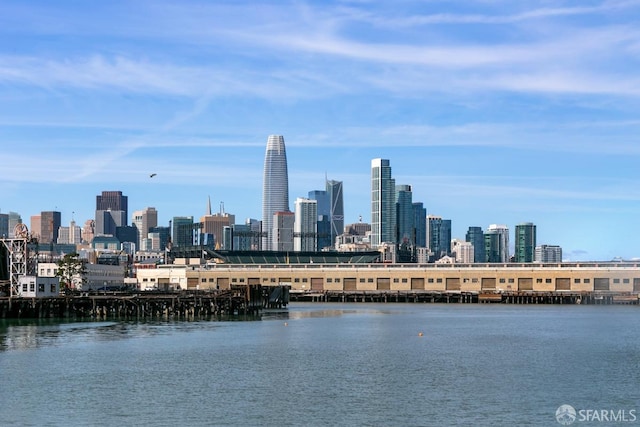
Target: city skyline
x=493, y=112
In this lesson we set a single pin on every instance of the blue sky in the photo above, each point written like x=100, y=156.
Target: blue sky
x=496, y=112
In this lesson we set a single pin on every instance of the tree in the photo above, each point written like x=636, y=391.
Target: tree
x=71, y=269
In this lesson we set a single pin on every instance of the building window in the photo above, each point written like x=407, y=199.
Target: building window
x=361, y=280
x=370, y=280
x=404, y=280
x=273, y=280
x=296, y=280
x=24, y=287
x=547, y=280
x=439, y=280
x=305, y=280
x=337, y=280
x=625, y=281
x=616, y=280
x=203, y=280
x=32, y=287
x=587, y=280
x=502, y=280
x=395, y=280
x=576, y=280
x=511, y=281
x=234, y=280
x=474, y=280
x=329, y=280
x=538, y=280
x=430, y=280
x=211, y=280
x=241, y=280
x=53, y=288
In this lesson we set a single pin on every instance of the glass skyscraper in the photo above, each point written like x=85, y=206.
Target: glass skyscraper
x=404, y=214
x=420, y=224
x=475, y=236
x=336, y=209
x=525, y=244
x=383, y=204
x=438, y=236
x=275, y=187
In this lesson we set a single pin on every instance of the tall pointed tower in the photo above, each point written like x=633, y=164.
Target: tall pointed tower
x=275, y=187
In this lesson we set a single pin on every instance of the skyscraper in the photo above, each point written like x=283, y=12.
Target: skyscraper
x=383, y=204
x=404, y=214
x=143, y=221
x=497, y=243
x=111, y=212
x=324, y=219
x=336, y=209
x=475, y=236
x=49, y=226
x=305, y=225
x=420, y=224
x=275, y=187
x=525, y=242
x=438, y=236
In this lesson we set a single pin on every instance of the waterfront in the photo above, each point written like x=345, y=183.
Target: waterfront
x=326, y=364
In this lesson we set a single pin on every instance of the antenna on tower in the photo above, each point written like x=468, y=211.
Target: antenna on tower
x=221, y=208
x=209, y=206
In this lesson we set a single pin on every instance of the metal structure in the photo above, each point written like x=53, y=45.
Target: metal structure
x=20, y=263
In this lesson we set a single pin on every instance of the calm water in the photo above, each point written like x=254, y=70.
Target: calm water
x=326, y=364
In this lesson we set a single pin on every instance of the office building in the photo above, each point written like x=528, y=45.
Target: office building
x=143, y=220
x=463, y=251
x=70, y=235
x=420, y=225
x=404, y=215
x=182, y=234
x=111, y=212
x=336, y=209
x=4, y=226
x=497, y=243
x=14, y=219
x=282, y=232
x=305, y=225
x=475, y=236
x=275, y=188
x=548, y=254
x=438, y=236
x=525, y=242
x=324, y=219
x=383, y=204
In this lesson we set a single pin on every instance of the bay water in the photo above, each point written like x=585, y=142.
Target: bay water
x=321, y=364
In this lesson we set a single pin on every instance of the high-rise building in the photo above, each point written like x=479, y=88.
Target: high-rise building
x=324, y=219
x=438, y=236
x=420, y=224
x=336, y=209
x=162, y=234
x=463, y=251
x=383, y=204
x=475, y=236
x=111, y=200
x=282, y=232
x=88, y=230
x=49, y=226
x=214, y=224
x=305, y=226
x=548, y=254
x=275, y=187
x=70, y=235
x=525, y=242
x=497, y=243
x=35, y=226
x=14, y=219
x=4, y=225
x=182, y=231
x=143, y=220
x=404, y=215
x=111, y=212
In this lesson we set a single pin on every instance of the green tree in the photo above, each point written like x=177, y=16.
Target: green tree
x=71, y=267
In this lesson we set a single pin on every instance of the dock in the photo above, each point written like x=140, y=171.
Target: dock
x=462, y=297
x=242, y=301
